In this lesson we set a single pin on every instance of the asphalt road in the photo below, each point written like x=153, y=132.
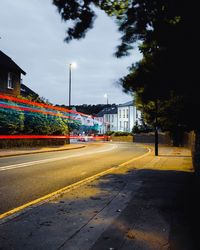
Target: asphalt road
x=28, y=177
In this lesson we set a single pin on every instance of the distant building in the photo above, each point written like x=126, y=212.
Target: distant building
x=128, y=116
x=120, y=117
x=108, y=118
x=10, y=76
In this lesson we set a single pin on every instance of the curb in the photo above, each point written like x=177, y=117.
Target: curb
x=45, y=151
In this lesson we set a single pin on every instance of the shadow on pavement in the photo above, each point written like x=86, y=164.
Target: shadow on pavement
x=162, y=214
x=155, y=209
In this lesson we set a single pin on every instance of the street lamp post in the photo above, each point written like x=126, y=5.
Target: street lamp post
x=71, y=66
x=70, y=83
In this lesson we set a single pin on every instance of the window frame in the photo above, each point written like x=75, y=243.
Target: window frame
x=10, y=83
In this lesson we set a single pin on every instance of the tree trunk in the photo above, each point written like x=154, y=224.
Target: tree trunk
x=196, y=153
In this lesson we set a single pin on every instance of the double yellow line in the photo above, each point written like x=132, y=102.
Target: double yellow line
x=14, y=212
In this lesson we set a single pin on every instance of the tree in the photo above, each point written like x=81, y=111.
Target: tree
x=166, y=31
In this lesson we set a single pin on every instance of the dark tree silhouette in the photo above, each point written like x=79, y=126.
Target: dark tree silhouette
x=167, y=33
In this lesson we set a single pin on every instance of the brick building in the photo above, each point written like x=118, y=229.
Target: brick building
x=10, y=76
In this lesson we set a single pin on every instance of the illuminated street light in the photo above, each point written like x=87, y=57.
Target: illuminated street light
x=71, y=66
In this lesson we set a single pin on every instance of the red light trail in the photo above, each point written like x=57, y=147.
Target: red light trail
x=14, y=103
x=53, y=137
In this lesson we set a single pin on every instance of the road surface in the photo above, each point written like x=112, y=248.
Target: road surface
x=28, y=177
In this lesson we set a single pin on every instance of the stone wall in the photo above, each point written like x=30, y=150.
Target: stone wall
x=192, y=141
x=163, y=138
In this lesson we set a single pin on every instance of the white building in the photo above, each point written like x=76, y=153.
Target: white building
x=109, y=119
x=127, y=116
x=119, y=118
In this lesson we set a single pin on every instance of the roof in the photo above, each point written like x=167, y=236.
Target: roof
x=107, y=110
x=25, y=91
x=130, y=103
x=7, y=62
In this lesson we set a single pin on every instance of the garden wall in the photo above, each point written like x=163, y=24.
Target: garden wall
x=23, y=143
x=163, y=138
x=124, y=138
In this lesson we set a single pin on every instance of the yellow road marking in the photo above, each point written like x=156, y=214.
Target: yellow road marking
x=67, y=188
x=136, y=158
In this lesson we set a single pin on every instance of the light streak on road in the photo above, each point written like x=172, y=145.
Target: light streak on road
x=26, y=164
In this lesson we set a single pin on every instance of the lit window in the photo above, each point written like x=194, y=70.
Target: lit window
x=10, y=81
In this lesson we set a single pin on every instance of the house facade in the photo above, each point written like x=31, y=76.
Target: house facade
x=108, y=118
x=128, y=116
x=120, y=117
x=10, y=76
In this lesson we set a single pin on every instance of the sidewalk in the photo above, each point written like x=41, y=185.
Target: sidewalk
x=23, y=151
x=147, y=205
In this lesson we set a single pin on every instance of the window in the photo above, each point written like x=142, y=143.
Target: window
x=127, y=113
x=123, y=113
x=120, y=125
x=120, y=113
x=10, y=81
x=125, y=126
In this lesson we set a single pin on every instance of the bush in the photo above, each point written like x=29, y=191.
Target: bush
x=110, y=133
x=120, y=133
x=137, y=129
x=11, y=121
x=117, y=133
x=15, y=121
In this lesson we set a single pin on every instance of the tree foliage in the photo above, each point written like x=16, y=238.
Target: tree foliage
x=167, y=33
x=42, y=124
x=11, y=121
x=16, y=121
